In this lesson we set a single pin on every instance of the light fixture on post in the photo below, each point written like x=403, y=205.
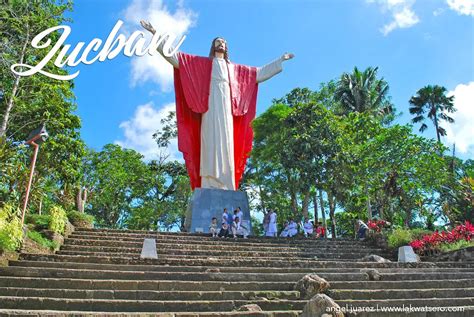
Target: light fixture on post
x=35, y=138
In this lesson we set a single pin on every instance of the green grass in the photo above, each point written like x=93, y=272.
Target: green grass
x=461, y=244
x=401, y=236
x=76, y=216
x=40, y=222
x=41, y=240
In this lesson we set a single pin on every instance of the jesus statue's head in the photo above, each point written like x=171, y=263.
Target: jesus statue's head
x=219, y=45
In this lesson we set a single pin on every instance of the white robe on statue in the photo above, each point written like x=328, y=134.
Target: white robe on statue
x=217, y=168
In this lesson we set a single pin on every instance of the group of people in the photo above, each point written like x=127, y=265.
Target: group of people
x=231, y=225
x=291, y=228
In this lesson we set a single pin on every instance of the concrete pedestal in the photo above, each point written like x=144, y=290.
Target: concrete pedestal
x=209, y=202
x=406, y=254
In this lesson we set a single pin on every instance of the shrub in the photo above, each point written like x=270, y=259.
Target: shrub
x=418, y=233
x=39, y=222
x=433, y=241
x=76, y=217
x=377, y=225
x=400, y=237
x=11, y=232
x=43, y=241
x=461, y=244
x=58, y=219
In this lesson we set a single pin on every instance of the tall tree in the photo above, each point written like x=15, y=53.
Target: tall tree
x=27, y=102
x=25, y=99
x=432, y=101
x=363, y=92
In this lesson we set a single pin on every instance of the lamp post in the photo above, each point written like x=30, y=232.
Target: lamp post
x=35, y=138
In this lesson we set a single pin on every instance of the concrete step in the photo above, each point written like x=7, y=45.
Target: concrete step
x=205, y=239
x=403, y=311
x=184, y=234
x=223, y=269
x=57, y=313
x=233, y=254
x=157, y=285
x=209, y=249
x=147, y=294
x=47, y=303
x=224, y=244
x=216, y=241
x=214, y=261
x=403, y=284
x=353, y=294
x=190, y=276
x=222, y=256
x=466, y=264
x=225, y=276
x=415, y=302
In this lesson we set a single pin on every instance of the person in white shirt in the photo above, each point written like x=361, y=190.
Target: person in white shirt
x=272, y=225
x=308, y=227
x=291, y=229
x=239, y=229
x=361, y=229
x=266, y=222
x=213, y=227
x=225, y=216
x=240, y=214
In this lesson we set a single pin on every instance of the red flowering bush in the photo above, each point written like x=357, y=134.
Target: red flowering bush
x=376, y=225
x=432, y=241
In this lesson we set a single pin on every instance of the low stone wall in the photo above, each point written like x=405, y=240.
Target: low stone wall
x=462, y=255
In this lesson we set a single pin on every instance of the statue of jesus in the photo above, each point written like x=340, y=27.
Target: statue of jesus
x=215, y=105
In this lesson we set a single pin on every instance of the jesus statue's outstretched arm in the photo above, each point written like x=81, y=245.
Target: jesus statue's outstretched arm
x=173, y=59
x=268, y=71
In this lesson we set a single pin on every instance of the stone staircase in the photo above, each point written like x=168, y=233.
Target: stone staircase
x=100, y=272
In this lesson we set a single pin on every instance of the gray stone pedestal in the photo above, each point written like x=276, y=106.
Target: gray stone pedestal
x=209, y=202
x=406, y=254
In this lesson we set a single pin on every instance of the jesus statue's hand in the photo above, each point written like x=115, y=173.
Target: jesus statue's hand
x=287, y=56
x=147, y=25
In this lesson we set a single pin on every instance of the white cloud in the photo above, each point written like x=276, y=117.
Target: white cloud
x=138, y=132
x=463, y=7
x=155, y=68
x=461, y=131
x=402, y=14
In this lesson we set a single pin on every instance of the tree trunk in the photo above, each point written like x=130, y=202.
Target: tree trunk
x=81, y=198
x=323, y=212
x=305, y=204
x=332, y=210
x=435, y=120
x=262, y=198
x=293, y=193
x=369, y=206
x=294, y=203
x=315, y=206
x=84, y=200
x=40, y=207
x=6, y=115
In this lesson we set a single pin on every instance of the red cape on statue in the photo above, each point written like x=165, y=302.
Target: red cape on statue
x=192, y=87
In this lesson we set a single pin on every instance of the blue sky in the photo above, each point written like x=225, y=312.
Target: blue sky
x=414, y=43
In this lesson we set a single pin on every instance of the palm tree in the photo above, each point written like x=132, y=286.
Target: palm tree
x=363, y=92
x=432, y=100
